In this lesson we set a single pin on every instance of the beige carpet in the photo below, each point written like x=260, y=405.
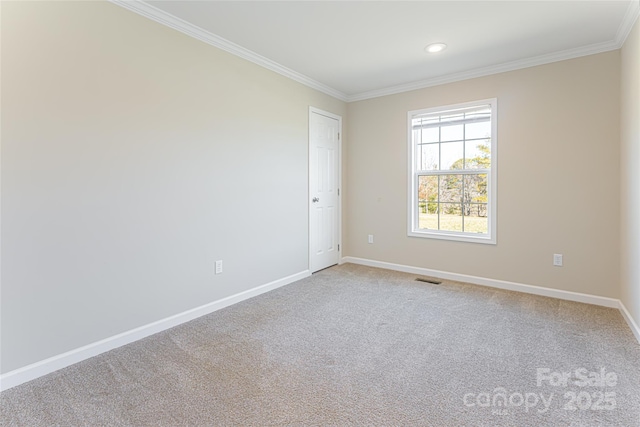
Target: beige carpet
x=353, y=345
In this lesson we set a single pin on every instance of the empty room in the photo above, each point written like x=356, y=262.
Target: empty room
x=320, y=213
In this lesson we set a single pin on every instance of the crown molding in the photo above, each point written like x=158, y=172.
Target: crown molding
x=487, y=71
x=164, y=18
x=630, y=17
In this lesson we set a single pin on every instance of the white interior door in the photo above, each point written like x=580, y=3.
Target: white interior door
x=324, y=192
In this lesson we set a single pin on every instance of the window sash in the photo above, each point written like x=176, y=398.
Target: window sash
x=416, y=202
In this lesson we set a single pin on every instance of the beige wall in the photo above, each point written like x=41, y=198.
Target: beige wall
x=630, y=172
x=133, y=156
x=558, y=177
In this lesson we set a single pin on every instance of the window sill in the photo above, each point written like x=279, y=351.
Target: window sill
x=458, y=237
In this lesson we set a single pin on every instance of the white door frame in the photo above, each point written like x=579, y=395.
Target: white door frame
x=313, y=110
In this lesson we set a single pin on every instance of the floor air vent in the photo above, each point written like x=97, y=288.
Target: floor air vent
x=426, y=280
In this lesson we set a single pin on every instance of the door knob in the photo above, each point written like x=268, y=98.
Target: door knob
x=315, y=200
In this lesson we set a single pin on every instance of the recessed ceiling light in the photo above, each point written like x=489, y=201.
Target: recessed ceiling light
x=435, y=47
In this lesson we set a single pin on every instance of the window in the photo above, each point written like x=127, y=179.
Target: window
x=452, y=166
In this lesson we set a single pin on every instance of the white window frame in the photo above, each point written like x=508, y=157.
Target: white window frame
x=413, y=174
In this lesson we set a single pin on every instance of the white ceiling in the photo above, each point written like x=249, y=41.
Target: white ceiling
x=360, y=49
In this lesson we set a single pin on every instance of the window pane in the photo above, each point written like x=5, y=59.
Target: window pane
x=478, y=210
x=427, y=192
x=450, y=217
x=428, y=156
x=451, y=133
x=475, y=219
x=431, y=134
x=451, y=188
x=428, y=202
x=478, y=130
x=451, y=155
x=475, y=188
x=429, y=220
x=478, y=154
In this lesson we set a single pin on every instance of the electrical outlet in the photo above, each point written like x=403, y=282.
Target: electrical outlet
x=370, y=238
x=218, y=266
x=557, y=260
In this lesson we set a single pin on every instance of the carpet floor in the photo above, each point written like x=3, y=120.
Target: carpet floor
x=358, y=346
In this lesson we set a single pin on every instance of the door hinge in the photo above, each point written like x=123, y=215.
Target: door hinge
x=338, y=135
x=338, y=191
x=338, y=247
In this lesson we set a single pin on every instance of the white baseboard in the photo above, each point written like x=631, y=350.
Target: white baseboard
x=493, y=283
x=632, y=324
x=501, y=284
x=44, y=367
